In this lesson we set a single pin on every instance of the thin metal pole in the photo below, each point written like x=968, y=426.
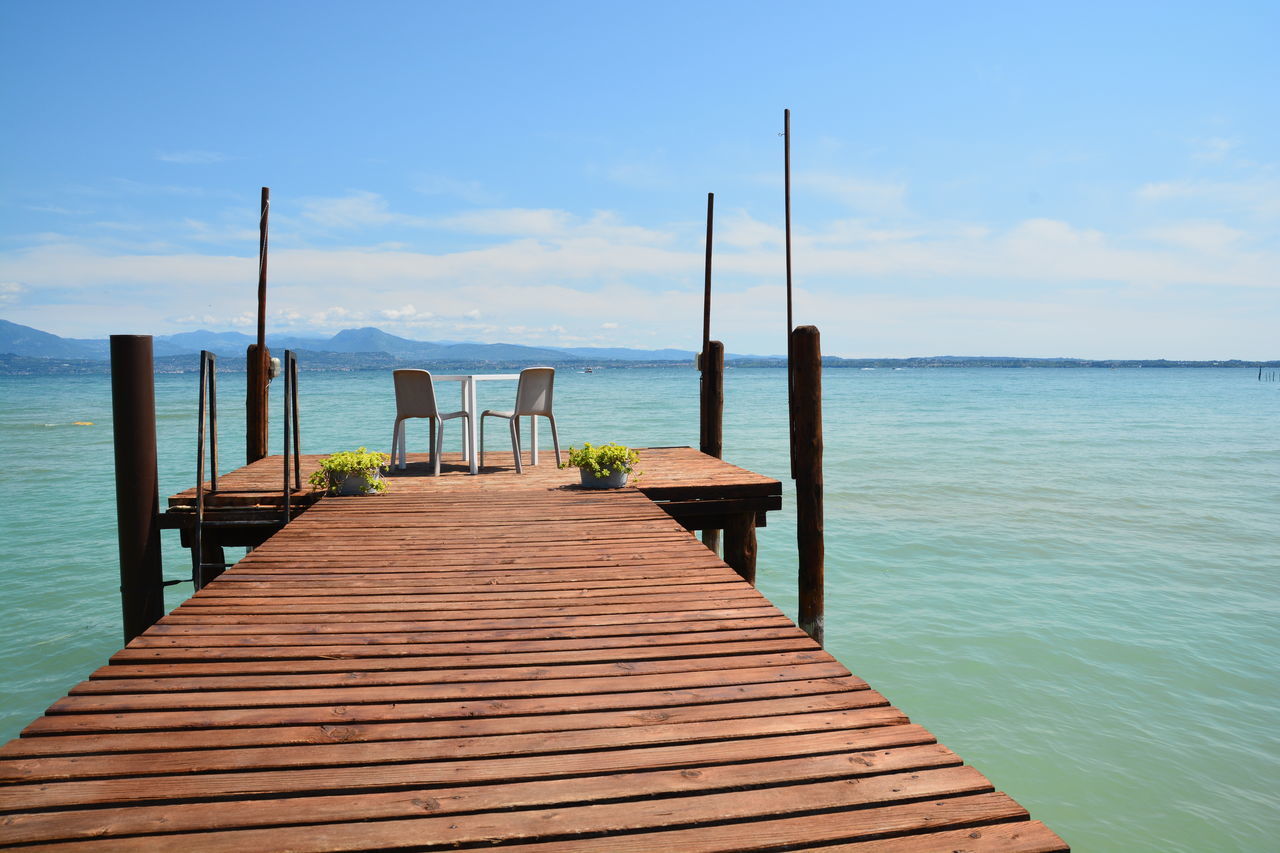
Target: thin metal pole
x=285, y=424
x=706, y=287
x=213, y=423
x=786, y=168
x=262, y=266
x=791, y=395
x=297, y=435
x=197, y=538
x=133, y=413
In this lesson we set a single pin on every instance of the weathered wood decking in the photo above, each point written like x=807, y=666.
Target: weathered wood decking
x=471, y=662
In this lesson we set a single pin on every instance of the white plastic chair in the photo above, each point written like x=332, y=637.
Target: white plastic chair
x=533, y=398
x=416, y=398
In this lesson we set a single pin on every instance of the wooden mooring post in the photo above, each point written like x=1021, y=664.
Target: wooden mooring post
x=806, y=354
x=133, y=417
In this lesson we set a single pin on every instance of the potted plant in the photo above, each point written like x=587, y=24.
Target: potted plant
x=351, y=472
x=603, y=467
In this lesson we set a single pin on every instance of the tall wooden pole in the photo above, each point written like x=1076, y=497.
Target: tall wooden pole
x=711, y=406
x=808, y=443
x=257, y=355
x=786, y=169
x=133, y=416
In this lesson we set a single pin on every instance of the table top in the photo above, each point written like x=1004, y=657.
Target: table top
x=463, y=377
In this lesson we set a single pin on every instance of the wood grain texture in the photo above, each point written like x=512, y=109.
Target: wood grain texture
x=471, y=661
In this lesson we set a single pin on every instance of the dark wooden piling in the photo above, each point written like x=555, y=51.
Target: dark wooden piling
x=133, y=413
x=711, y=440
x=740, y=545
x=807, y=362
x=257, y=357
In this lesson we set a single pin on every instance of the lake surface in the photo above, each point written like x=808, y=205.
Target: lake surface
x=1071, y=577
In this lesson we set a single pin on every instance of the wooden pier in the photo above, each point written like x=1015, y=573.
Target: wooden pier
x=497, y=661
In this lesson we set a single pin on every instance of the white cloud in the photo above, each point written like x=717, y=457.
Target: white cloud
x=1213, y=149
x=740, y=230
x=878, y=197
x=356, y=210
x=1259, y=198
x=1197, y=236
x=511, y=222
x=405, y=314
x=10, y=291
x=556, y=276
x=204, y=232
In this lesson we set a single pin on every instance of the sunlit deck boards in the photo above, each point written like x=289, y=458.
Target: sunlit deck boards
x=471, y=662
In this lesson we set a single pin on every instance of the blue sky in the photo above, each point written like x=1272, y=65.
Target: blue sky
x=1036, y=179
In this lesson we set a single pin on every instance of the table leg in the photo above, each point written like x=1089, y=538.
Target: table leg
x=466, y=431
x=472, y=426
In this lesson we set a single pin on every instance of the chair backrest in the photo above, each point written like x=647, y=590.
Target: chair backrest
x=415, y=395
x=533, y=394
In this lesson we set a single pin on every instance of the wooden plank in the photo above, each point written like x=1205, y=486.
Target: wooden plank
x=275, y=681
x=364, y=776
x=1014, y=836
x=412, y=710
x=335, y=808
x=82, y=703
x=853, y=814
x=189, y=761
x=858, y=709
x=620, y=656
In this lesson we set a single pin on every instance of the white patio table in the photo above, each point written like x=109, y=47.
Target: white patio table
x=470, y=438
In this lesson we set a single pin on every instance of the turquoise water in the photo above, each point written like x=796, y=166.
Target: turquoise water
x=1069, y=576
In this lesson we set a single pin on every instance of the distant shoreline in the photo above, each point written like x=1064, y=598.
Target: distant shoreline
x=17, y=365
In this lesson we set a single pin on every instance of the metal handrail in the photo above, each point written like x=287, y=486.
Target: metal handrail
x=292, y=440
x=209, y=404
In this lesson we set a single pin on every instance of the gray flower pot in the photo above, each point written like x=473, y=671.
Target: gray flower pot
x=357, y=484
x=616, y=480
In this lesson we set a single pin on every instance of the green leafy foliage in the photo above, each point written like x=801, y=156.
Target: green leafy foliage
x=603, y=460
x=338, y=466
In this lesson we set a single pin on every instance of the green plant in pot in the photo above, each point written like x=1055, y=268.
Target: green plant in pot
x=351, y=472
x=603, y=467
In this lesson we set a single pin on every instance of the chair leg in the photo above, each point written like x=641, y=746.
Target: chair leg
x=555, y=439
x=435, y=462
x=533, y=439
x=431, y=428
x=480, y=458
x=515, y=443
x=398, y=461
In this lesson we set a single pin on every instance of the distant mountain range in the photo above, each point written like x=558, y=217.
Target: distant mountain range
x=24, y=350
x=25, y=341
